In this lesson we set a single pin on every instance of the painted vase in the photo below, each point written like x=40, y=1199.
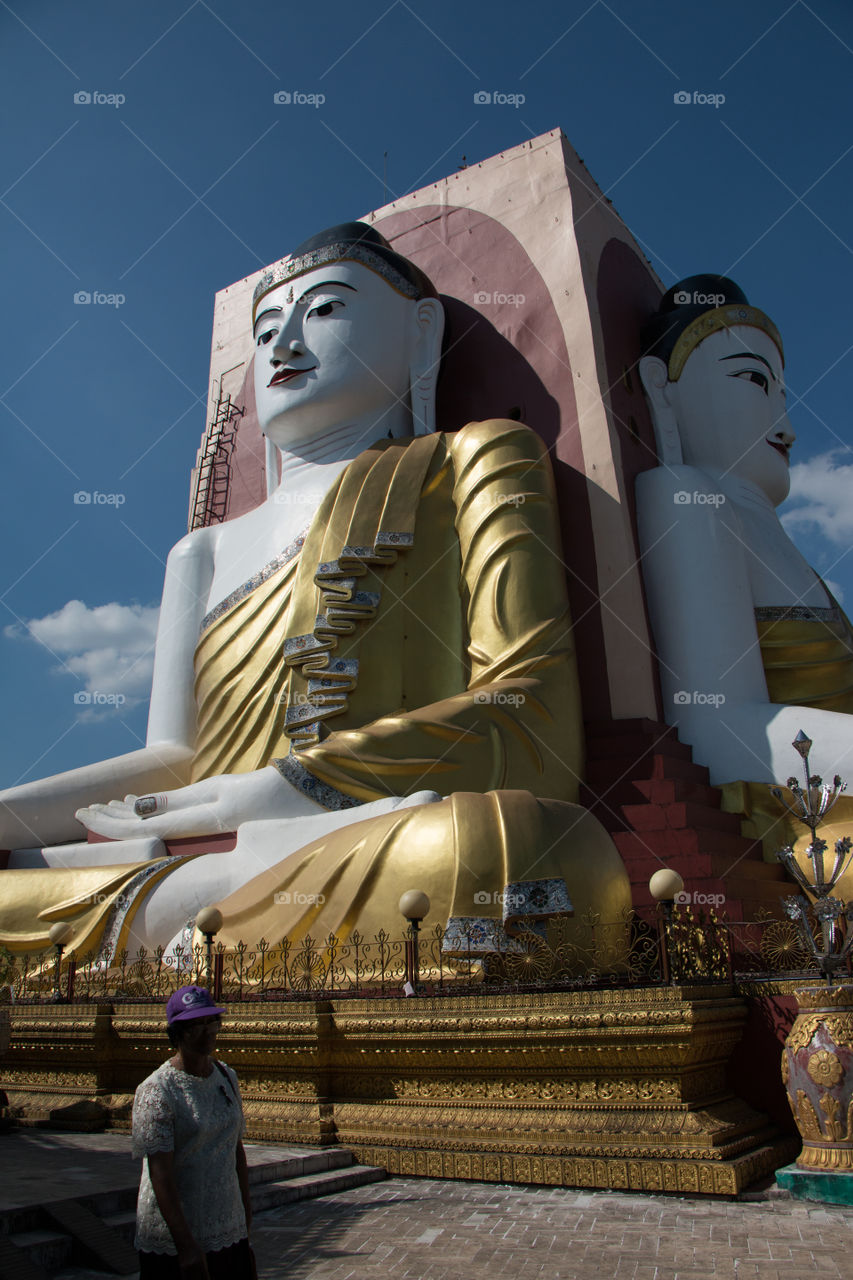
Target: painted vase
x=817, y=1068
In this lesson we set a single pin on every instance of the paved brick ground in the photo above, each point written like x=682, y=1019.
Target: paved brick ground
x=423, y=1229
x=428, y=1230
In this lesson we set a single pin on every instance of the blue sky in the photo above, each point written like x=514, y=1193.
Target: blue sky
x=197, y=178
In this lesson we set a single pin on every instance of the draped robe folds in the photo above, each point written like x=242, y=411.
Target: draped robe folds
x=419, y=638
x=807, y=653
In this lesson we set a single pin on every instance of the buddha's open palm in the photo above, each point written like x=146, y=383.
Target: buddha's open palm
x=203, y=808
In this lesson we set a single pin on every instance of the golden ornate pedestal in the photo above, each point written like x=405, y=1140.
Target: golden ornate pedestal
x=622, y=1089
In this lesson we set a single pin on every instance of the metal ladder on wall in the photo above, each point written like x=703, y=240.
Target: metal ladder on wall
x=210, y=498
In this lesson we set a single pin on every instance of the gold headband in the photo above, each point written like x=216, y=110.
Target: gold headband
x=290, y=268
x=712, y=322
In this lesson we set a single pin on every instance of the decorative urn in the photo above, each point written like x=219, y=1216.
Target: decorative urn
x=817, y=1068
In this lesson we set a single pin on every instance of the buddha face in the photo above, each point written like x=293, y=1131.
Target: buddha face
x=730, y=407
x=332, y=347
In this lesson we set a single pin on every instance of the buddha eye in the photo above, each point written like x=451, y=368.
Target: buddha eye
x=264, y=338
x=753, y=375
x=325, y=308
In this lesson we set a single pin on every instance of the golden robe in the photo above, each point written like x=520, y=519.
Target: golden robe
x=418, y=638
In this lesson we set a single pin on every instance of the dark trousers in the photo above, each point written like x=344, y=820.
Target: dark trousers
x=233, y=1263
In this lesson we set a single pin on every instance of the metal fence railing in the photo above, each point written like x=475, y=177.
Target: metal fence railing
x=678, y=945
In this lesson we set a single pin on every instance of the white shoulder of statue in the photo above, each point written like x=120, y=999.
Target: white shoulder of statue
x=196, y=542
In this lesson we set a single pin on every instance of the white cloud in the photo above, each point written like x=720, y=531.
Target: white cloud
x=824, y=485
x=110, y=649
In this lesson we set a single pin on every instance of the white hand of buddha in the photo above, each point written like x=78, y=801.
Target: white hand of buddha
x=203, y=808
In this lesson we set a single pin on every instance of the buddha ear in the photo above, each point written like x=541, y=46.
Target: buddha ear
x=654, y=376
x=428, y=321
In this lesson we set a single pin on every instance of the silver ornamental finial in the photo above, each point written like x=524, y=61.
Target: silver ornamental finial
x=811, y=805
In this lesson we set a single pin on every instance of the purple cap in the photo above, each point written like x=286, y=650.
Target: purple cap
x=190, y=1002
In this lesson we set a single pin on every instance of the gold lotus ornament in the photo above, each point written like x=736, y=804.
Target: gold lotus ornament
x=824, y=1068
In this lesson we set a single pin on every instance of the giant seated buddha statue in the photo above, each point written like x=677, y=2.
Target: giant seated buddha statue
x=370, y=677
x=752, y=645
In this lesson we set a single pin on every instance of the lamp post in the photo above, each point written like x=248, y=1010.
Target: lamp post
x=60, y=935
x=414, y=905
x=209, y=922
x=665, y=886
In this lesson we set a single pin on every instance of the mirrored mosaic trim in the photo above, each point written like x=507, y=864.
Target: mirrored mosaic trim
x=290, y=268
x=342, y=605
x=184, y=961
x=476, y=934
x=524, y=903
x=479, y=935
x=320, y=792
x=327, y=695
x=239, y=593
x=797, y=613
x=125, y=899
x=536, y=898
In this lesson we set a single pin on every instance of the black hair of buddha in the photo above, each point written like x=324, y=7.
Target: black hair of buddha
x=362, y=233
x=662, y=330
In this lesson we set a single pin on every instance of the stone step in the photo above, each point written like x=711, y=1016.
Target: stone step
x=672, y=846
x=643, y=859
x=755, y=892
x=675, y=790
x=601, y=774
x=37, y=1241
x=41, y=1253
x=678, y=816
x=636, y=746
x=315, y=1174
x=296, y=1164
x=123, y=1223
x=651, y=791
x=94, y=1241
x=597, y=729
x=272, y=1194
